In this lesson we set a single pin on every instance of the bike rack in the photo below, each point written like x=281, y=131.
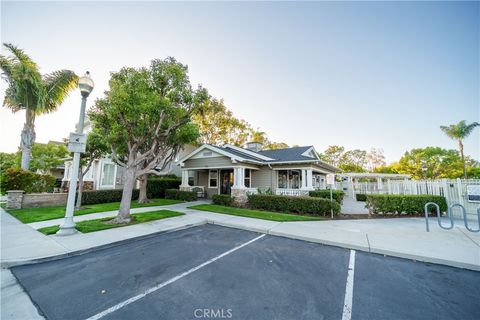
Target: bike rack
x=465, y=221
x=450, y=216
x=438, y=217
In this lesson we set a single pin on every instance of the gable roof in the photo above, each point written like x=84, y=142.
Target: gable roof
x=289, y=154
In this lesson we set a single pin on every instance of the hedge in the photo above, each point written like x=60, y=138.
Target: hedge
x=361, y=197
x=222, y=199
x=105, y=196
x=156, y=186
x=28, y=181
x=180, y=195
x=403, y=204
x=337, y=195
x=292, y=204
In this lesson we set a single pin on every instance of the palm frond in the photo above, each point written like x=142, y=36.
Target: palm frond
x=58, y=85
x=20, y=55
x=7, y=66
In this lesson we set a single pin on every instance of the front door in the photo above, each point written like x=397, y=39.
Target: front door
x=226, y=181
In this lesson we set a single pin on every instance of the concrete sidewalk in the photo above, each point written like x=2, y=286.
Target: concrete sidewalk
x=400, y=237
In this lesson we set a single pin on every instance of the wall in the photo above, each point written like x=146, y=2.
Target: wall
x=38, y=200
x=213, y=163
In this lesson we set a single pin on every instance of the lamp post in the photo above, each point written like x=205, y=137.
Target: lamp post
x=424, y=169
x=77, y=145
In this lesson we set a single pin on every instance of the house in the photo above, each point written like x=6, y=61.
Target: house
x=238, y=171
x=106, y=174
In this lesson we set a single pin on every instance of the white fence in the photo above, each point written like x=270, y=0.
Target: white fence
x=455, y=191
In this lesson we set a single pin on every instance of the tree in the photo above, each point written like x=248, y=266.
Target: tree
x=261, y=137
x=46, y=156
x=7, y=161
x=439, y=163
x=95, y=149
x=459, y=132
x=333, y=155
x=355, y=159
x=145, y=119
x=375, y=159
x=30, y=91
x=218, y=126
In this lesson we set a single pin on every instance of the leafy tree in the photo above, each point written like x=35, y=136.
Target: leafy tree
x=459, y=132
x=351, y=167
x=260, y=136
x=7, y=161
x=439, y=163
x=30, y=91
x=218, y=126
x=145, y=120
x=46, y=156
x=375, y=159
x=95, y=149
x=386, y=169
x=355, y=159
x=333, y=155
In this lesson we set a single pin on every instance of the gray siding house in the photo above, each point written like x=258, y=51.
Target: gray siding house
x=237, y=171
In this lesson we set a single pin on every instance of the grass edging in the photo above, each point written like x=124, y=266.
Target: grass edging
x=99, y=225
x=29, y=215
x=257, y=214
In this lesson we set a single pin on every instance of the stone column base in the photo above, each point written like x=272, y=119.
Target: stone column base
x=239, y=197
x=14, y=199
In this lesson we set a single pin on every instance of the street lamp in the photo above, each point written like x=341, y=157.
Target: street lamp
x=424, y=169
x=76, y=145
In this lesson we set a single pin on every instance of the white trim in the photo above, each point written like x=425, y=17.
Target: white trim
x=211, y=148
x=249, y=152
x=309, y=151
x=222, y=167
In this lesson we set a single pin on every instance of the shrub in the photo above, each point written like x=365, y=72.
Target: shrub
x=28, y=181
x=292, y=204
x=337, y=195
x=156, y=186
x=105, y=196
x=180, y=195
x=403, y=204
x=361, y=197
x=222, y=199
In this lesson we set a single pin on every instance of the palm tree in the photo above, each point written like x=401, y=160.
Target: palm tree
x=30, y=91
x=459, y=132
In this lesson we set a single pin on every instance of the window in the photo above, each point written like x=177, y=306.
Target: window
x=108, y=174
x=289, y=179
x=207, y=153
x=212, y=178
x=247, y=177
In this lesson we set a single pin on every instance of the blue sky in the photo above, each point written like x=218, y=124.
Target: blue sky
x=357, y=74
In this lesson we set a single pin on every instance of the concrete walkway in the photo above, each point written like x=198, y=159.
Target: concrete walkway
x=400, y=237
x=352, y=206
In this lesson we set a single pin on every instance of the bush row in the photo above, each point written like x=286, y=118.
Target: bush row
x=293, y=204
x=337, y=195
x=28, y=181
x=156, y=186
x=403, y=204
x=222, y=199
x=361, y=197
x=105, y=196
x=180, y=195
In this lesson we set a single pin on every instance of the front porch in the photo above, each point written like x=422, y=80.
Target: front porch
x=239, y=181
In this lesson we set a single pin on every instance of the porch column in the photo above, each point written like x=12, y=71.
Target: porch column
x=309, y=181
x=241, y=178
x=304, y=180
x=184, y=179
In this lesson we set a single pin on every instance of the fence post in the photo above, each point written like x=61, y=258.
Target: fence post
x=460, y=191
x=389, y=187
x=445, y=190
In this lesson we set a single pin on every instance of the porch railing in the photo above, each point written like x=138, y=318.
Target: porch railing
x=291, y=192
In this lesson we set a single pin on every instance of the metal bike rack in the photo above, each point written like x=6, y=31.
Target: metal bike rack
x=465, y=221
x=439, y=220
x=450, y=216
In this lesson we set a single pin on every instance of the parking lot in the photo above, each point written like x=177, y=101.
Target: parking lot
x=211, y=272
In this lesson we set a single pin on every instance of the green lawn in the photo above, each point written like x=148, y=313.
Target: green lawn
x=258, y=214
x=49, y=213
x=100, y=224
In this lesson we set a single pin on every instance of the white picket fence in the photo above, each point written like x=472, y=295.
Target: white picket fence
x=455, y=191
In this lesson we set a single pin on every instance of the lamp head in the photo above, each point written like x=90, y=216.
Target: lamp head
x=85, y=84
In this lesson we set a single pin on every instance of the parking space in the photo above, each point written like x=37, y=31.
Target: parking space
x=217, y=272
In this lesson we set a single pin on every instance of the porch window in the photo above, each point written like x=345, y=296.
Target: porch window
x=213, y=178
x=247, y=177
x=289, y=179
x=108, y=174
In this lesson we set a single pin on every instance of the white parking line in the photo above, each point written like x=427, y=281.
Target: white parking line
x=347, y=304
x=163, y=284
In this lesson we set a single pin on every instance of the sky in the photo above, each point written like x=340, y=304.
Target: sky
x=358, y=74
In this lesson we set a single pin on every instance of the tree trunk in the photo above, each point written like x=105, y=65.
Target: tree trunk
x=142, y=198
x=124, y=212
x=460, y=147
x=27, y=138
x=78, y=205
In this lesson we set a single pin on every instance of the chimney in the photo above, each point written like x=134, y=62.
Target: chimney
x=254, y=146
